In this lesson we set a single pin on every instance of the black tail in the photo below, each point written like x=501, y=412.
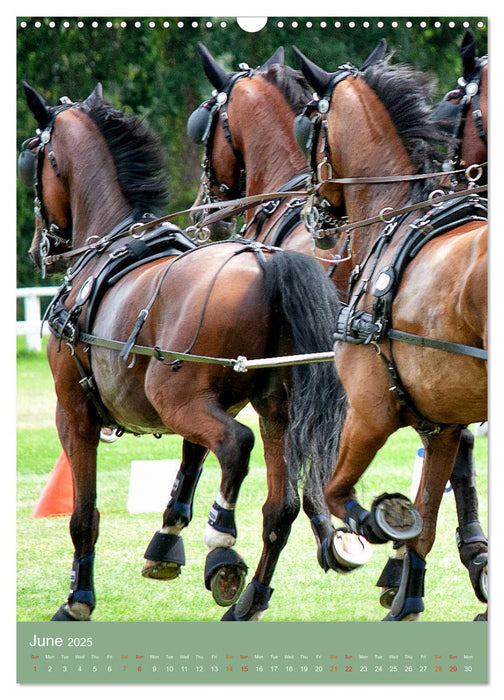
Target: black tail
x=306, y=298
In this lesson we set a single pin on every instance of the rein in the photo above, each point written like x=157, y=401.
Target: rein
x=227, y=209
x=387, y=214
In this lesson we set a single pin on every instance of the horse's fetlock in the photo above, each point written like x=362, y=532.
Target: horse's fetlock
x=81, y=583
x=222, y=519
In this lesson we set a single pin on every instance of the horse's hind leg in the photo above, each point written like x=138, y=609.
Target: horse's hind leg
x=225, y=570
x=165, y=555
x=471, y=541
x=79, y=438
x=202, y=421
x=279, y=512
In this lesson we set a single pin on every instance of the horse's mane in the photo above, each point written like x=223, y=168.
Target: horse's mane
x=291, y=83
x=405, y=94
x=138, y=157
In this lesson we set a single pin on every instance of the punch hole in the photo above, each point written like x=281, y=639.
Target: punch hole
x=252, y=24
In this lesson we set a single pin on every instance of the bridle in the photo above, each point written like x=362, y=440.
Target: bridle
x=467, y=91
x=201, y=127
x=30, y=164
x=325, y=221
x=310, y=131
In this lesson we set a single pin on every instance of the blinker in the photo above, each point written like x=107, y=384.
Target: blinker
x=199, y=123
x=27, y=167
x=303, y=129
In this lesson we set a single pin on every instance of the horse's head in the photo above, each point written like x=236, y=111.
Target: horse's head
x=371, y=121
x=465, y=109
x=45, y=168
x=310, y=126
x=217, y=123
x=39, y=169
x=92, y=167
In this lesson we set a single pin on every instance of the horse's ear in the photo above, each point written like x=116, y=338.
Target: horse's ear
x=38, y=106
x=468, y=54
x=318, y=78
x=94, y=98
x=376, y=55
x=278, y=57
x=217, y=75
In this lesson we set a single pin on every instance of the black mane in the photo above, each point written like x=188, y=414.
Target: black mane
x=405, y=93
x=291, y=83
x=138, y=156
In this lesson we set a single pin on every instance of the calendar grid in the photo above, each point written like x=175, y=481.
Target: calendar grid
x=252, y=653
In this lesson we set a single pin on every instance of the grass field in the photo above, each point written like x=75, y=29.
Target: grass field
x=302, y=590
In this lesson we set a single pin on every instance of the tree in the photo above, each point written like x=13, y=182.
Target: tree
x=151, y=66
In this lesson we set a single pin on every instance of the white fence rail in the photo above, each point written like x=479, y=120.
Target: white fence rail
x=30, y=326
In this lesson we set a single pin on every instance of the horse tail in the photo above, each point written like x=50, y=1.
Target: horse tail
x=303, y=295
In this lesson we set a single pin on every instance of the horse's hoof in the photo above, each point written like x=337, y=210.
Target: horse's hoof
x=109, y=435
x=164, y=557
x=347, y=551
x=478, y=574
x=396, y=517
x=387, y=597
x=389, y=581
x=64, y=614
x=161, y=570
x=251, y=606
x=225, y=573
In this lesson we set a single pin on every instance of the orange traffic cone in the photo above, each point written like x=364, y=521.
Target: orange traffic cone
x=57, y=495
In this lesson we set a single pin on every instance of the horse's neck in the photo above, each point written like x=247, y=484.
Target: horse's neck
x=271, y=155
x=97, y=203
x=365, y=143
x=272, y=167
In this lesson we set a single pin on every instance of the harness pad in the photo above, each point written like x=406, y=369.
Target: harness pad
x=162, y=242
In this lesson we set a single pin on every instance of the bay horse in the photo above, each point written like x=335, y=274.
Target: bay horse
x=258, y=152
x=417, y=279
x=247, y=129
x=465, y=109
x=141, y=329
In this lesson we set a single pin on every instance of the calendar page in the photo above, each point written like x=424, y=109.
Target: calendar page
x=276, y=135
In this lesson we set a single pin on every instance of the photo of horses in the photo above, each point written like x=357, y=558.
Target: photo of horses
x=252, y=298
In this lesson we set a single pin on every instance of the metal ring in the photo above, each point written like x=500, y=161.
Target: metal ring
x=479, y=172
x=328, y=165
x=190, y=230
x=382, y=216
x=203, y=235
x=133, y=228
x=433, y=195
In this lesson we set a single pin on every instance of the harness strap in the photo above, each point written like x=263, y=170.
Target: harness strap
x=91, y=391
x=446, y=345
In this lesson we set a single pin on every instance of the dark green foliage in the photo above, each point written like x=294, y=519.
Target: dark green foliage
x=155, y=71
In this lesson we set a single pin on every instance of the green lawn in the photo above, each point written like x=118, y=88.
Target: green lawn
x=302, y=590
